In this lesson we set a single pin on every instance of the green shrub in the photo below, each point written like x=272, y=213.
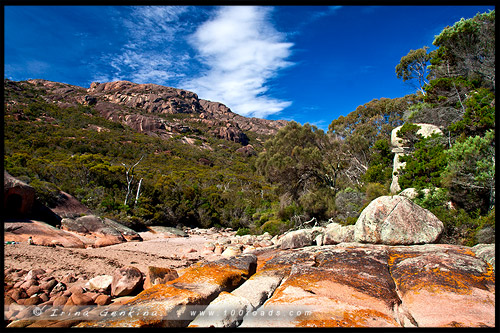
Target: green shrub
x=425, y=167
x=242, y=231
x=275, y=227
x=437, y=197
x=462, y=228
x=373, y=191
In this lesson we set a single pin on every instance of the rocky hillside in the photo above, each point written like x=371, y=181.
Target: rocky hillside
x=152, y=109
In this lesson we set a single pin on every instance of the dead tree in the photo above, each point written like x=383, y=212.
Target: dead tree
x=130, y=178
x=138, y=191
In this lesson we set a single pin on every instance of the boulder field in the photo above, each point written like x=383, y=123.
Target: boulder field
x=342, y=285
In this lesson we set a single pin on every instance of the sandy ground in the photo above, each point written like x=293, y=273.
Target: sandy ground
x=154, y=250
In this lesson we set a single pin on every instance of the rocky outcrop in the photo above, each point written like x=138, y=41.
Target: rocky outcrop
x=260, y=126
x=105, y=231
x=395, y=220
x=152, y=98
x=41, y=233
x=247, y=150
x=231, y=133
x=20, y=203
x=139, y=106
x=167, y=304
x=18, y=198
x=425, y=130
x=343, y=285
x=72, y=234
x=156, y=99
x=399, y=149
x=68, y=206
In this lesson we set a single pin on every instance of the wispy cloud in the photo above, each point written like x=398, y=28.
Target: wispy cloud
x=150, y=55
x=242, y=52
x=317, y=13
x=224, y=54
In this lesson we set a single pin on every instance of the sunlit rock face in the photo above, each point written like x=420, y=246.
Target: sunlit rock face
x=396, y=220
x=366, y=285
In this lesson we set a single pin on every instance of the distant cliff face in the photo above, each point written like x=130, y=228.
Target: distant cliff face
x=152, y=98
x=151, y=108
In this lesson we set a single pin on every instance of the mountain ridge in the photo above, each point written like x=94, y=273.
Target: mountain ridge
x=152, y=109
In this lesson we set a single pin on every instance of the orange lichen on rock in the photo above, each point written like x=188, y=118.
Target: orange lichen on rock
x=224, y=276
x=459, y=285
x=199, y=285
x=355, y=318
x=346, y=287
x=456, y=272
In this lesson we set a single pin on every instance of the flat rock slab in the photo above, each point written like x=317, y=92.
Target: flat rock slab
x=365, y=285
x=166, y=304
x=42, y=234
x=343, y=285
x=459, y=285
x=340, y=287
x=168, y=231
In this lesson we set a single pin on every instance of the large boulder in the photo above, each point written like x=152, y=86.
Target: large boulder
x=68, y=206
x=128, y=233
x=300, y=238
x=126, y=280
x=100, y=282
x=105, y=231
x=18, y=198
x=336, y=233
x=395, y=220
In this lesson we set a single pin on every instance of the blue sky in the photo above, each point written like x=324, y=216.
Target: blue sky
x=308, y=64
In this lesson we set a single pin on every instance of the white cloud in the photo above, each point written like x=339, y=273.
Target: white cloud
x=150, y=55
x=238, y=53
x=243, y=52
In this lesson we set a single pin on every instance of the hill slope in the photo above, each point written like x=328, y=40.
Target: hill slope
x=194, y=157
